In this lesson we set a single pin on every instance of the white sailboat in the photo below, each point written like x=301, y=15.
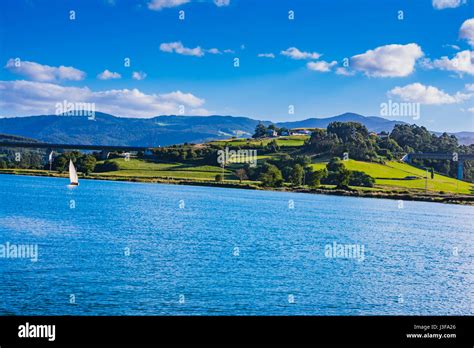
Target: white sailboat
x=73, y=175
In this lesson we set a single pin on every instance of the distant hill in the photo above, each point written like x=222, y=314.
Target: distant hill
x=161, y=130
x=15, y=138
x=373, y=123
x=110, y=130
x=464, y=138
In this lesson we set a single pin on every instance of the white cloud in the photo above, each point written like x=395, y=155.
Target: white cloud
x=22, y=98
x=418, y=93
x=321, y=65
x=108, y=75
x=266, y=55
x=388, y=61
x=183, y=98
x=454, y=47
x=39, y=72
x=344, y=71
x=469, y=87
x=221, y=3
x=442, y=4
x=158, y=5
x=461, y=63
x=471, y=110
x=213, y=51
x=467, y=31
x=295, y=53
x=177, y=47
x=139, y=75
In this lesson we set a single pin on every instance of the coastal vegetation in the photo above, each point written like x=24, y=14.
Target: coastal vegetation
x=343, y=157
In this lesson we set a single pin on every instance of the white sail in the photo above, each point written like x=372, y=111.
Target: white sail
x=73, y=174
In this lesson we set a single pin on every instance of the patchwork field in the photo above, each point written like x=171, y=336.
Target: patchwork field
x=390, y=176
x=394, y=175
x=292, y=140
x=139, y=168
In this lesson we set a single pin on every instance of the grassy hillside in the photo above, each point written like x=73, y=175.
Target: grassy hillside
x=293, y=140
x=144, y=169
x=439, y=183
x=393, y=175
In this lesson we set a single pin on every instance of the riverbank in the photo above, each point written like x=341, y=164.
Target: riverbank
x=405, y=195
x=210, y=241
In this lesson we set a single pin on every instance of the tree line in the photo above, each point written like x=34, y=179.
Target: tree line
x=354, y=139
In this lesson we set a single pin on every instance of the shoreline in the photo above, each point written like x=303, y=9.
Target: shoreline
x=404, y=196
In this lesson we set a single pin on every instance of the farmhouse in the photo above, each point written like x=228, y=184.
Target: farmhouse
x=300, y=132
x=272, y=133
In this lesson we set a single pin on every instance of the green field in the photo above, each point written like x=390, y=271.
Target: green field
x=289, y=141
x=392, y=175
x=144, y=169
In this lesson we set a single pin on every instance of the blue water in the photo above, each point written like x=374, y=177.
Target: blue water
x=228, y=252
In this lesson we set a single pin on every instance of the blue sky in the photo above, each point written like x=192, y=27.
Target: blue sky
x=423, y=55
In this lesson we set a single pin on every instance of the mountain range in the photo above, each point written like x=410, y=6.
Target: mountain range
x=106, y=129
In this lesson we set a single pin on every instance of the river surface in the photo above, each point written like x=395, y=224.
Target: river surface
x=117, y=248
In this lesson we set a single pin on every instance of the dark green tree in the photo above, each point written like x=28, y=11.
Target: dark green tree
x=271, y=176
x=273, y=146
x=86, y=164
x=361, y=179
x=260, y=131
x=338, y=174
x=60, y=163
x=297, y=174
x=107, y=166
x=315, y=177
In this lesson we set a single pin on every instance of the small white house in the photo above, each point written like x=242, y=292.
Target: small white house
x=301, y=132
x=272, y=133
